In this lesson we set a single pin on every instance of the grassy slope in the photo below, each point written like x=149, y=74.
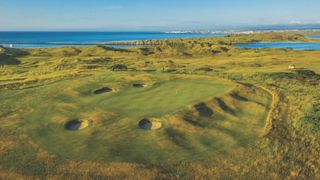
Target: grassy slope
x=289, y=150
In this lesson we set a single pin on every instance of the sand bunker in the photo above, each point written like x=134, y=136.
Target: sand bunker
x=150, y=124
x=75, y=125
x=139, y=85
x=103, y=90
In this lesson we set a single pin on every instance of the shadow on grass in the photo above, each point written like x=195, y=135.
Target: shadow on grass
x=179, y=138
x=204, y=110
x=241, y=139
x=114, y=49
x=10, y=56
x=224, y=106
x=238, y=97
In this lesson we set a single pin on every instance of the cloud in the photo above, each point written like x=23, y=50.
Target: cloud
x=295, y=22
x=112, y=7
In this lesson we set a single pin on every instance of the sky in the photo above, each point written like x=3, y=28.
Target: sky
x=153, y=15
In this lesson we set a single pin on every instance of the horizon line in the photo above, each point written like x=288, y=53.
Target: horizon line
x=168, y=29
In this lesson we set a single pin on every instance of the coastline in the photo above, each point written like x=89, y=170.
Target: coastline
x=311, y=36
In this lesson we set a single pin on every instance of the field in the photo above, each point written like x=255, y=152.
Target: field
x=185, y=108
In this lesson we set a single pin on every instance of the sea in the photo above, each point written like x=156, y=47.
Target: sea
x=283, y=45
x=60, y=39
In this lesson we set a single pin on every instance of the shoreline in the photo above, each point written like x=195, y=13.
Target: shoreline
x=148, y=42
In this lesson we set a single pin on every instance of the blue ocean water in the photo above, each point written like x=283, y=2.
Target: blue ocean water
x=314, y=37
x=34, y=38
x=291, y=45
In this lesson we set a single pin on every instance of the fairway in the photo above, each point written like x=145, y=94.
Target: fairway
x=78, y=123
x=176, y=111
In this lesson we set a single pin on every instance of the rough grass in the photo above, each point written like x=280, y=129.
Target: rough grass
x=41, y=89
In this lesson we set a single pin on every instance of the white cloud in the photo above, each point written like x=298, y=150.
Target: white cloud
x=295, y=22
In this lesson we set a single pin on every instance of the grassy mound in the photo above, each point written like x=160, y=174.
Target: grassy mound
x=210, y=126
x=192, y=121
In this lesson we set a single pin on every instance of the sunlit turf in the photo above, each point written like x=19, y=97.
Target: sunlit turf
x=212, y=122
x=114, y=134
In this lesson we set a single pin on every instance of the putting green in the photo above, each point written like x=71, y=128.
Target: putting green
x=114, y=135
x=161, y=99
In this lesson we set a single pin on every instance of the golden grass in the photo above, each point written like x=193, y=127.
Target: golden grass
x=6, y=145
x=285, y=151
x=84, y=169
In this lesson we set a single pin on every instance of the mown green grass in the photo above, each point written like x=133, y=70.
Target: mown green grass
x=114, y=135
x=41, y=89
x=129, y=105
x=163, y=98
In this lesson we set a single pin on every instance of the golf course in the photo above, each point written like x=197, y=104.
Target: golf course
x=194, y=108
